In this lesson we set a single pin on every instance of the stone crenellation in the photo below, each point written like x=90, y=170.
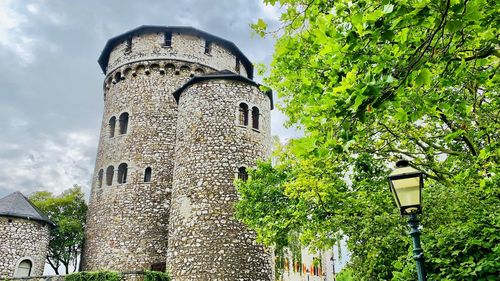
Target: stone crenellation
x=22, y=239
x=170, y=147
x=163, y=67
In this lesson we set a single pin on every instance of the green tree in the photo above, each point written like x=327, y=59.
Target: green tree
x=370, y=82
x=67, y=211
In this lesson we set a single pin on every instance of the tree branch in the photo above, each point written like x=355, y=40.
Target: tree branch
x=464, y=138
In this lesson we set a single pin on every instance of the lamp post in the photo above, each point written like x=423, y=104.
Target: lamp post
x=333, y=265
x=406, y=185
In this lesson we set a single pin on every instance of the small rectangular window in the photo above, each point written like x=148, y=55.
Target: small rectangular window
x=237, y=65
x=128, y=47
x=208, y=47
x=168, y=39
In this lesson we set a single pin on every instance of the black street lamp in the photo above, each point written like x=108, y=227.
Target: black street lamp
x=406, y=185
x=333, y=265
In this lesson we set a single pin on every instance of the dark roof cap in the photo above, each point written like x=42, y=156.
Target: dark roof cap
x=104, y=57
x=225, y=75
x=16, y=205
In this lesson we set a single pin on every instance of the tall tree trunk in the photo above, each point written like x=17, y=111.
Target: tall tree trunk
x=54, y=267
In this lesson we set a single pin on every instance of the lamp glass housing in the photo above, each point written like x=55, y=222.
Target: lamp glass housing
x=406, y=184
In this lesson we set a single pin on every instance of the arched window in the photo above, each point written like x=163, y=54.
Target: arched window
x=242, y=173
x=123, y=123
x=110, y=171
x=112, y=125
x=147, y=174
x=243, y=114
x=185, y=70
x=24, y=269
x=122, y=173
x=118, y=77
x=199, y=71
x=99, y=178
x=255, y=117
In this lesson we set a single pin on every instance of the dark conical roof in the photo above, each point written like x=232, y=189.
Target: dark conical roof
x=222, y=74
x=16, y=205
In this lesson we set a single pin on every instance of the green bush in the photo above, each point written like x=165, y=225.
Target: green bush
x=156, y=276
x=94, y=276
x=345, y=275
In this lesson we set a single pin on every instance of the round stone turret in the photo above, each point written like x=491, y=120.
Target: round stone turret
x=223, y=127
x=24, y=237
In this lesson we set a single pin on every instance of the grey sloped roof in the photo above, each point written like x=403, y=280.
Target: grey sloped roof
x=223, y=74
x=104, y=57
x=16, y=205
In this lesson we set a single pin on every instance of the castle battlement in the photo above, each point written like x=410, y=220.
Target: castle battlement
x=149, y=43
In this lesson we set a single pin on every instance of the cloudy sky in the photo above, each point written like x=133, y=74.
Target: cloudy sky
x=51, y=85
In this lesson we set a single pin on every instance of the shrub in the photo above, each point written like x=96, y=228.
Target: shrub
x=94, y=276
x=156, y=276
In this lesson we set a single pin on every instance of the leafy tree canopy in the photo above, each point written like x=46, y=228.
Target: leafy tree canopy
x=370, y=82
x=67, y=211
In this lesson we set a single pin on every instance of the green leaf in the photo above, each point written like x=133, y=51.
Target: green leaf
x=358, y=101
x=401, y=115
x=424, y=77
x=454, y=25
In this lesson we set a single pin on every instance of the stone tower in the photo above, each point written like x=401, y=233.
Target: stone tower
x=24, y=237
x=213, y=145
x=176, y=130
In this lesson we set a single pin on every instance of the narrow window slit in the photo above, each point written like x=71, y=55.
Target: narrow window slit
x=242, y=173
x=147, y=174
x=168, y=39
x=208, y=47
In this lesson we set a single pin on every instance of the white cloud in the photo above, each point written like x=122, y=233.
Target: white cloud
x=33, y=8
x=8, y=18
x=270, y=12
x=15, y=20
x=52, y=165
x=11, y=35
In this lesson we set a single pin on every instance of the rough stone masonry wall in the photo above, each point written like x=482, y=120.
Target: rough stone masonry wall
x=22, y=239
x=206, y=242
x=127, y=224
x=39, y=278
x=185, y=48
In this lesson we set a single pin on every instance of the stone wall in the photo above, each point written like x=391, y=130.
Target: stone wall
x=127, y=223
x=39, y=278
x=185, y=48
x=126, y=276
x=22, y=239
x=206, y=242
